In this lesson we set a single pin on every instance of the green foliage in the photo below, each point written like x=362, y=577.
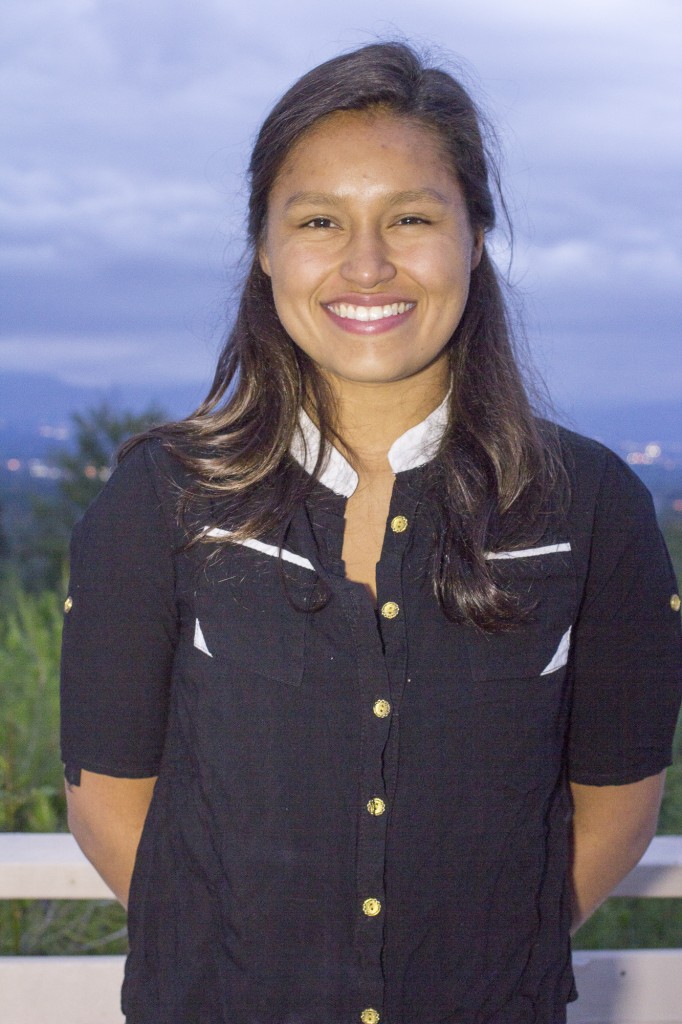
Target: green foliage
x=62, y=927
x=633, y=924
x=99, y=433
x=4, y=540
x=31, y=792
x=31, y=782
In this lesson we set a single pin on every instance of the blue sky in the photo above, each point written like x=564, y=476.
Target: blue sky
x=127, y=127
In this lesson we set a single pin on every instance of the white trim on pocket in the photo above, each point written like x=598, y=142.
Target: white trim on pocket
x=560, y=656
x=548, y=549
x=259, y=545
x=199, y=641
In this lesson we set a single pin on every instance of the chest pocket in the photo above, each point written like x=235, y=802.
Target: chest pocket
x=544, y=581
x=251, y=612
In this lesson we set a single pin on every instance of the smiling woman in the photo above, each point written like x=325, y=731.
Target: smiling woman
x=370, y=251
x=370, y=675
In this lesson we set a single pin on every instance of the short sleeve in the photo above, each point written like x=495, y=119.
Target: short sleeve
x=627, y=651
x=120, y=626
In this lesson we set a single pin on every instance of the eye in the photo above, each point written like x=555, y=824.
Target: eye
x=410, y=219
x=319, y=222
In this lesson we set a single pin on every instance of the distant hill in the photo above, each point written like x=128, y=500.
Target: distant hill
x=29, y=401
x=34, y=409
x=659, y=422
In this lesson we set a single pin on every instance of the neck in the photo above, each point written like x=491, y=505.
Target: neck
x=370, y=417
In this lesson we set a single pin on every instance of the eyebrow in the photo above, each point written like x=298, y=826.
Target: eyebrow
x=415, y=195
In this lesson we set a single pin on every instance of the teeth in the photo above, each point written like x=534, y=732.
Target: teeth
x=366, y=313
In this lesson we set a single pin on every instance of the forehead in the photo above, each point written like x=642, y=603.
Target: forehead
x=373, y=145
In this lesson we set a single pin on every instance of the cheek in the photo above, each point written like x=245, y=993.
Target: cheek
x=447, y=279
x=296, y=278
x=443, y=267
x=291, y=303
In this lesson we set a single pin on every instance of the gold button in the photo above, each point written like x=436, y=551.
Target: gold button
x=399, y=524
x=68, y=604
x=376, y=806
x=390, y=610
x=371, y=907
x=381, y=708
x=370, y=1016
x=675, y=602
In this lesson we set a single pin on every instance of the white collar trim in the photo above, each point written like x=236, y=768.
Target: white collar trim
x=337, y=473
x=414, y=448
x=419, y=444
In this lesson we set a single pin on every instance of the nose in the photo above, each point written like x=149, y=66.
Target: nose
x=366, y=262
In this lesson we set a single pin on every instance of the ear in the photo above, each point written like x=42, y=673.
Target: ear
x=263, y=260
x=477, y=249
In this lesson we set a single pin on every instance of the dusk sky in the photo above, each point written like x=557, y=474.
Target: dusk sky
x=126, y=129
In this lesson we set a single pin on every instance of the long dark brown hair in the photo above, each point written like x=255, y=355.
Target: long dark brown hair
x=497, y=466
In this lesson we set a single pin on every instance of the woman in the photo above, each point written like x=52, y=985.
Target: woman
x=387, y=668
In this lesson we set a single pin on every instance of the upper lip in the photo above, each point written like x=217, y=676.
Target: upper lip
x=367, y=300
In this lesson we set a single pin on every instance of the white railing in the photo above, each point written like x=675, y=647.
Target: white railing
x=616, y=987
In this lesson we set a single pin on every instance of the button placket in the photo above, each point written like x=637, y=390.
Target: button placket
x=375, y=721
x=393, y=631
x=393, y=626
x=381, y=662
x=402, y=518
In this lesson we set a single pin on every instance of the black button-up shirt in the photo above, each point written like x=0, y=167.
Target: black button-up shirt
x=361, y=816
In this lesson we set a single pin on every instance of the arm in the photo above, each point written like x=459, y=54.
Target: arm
x=612, y=827
x=121, y=629
x=106, y=816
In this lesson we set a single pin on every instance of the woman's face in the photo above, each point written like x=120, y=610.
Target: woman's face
x=369, y=247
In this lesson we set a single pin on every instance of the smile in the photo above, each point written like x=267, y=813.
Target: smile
x=369, y=313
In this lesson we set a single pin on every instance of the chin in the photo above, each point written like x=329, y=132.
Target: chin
x=371, y=375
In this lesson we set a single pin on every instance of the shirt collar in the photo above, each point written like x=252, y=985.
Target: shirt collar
x=414, y=448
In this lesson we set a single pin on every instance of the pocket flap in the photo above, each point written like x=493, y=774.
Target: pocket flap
x=519, y=654
x=251, y=611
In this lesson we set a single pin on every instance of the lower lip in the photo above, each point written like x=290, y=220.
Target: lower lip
x=387, y=323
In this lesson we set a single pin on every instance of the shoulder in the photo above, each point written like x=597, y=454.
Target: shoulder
x=151, y=464
x=599, y=479
x=583, y=457
x=137, y=510
x=148, y=472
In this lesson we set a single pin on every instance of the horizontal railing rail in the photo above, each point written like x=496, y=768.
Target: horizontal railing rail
x=616, y=986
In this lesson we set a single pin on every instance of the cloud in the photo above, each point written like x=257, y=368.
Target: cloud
x=114, y=360
x=126, y=131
